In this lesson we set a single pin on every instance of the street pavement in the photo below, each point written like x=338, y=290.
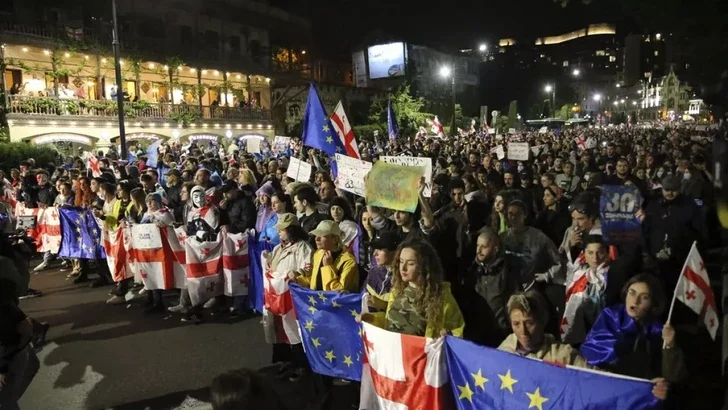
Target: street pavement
x=100, y=356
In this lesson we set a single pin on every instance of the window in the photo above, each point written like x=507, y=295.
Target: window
x=612, y=59
x=657, y=53
x=234, y=42
x=212, y=40
x=600, y=53
x=566, y=63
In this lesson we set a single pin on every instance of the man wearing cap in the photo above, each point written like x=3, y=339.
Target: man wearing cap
x=379, y=281
x=670, y=225
x=334, y=266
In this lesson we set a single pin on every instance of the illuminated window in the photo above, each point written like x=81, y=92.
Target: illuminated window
x=566, y=63
x=612, y=59
x=599, y=53
x=657, y=53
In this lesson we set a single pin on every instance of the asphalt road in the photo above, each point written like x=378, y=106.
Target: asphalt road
x=100, y=356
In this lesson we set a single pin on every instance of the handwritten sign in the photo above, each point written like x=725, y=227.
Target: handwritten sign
x=393, y=186
x=618, y=207
x=518, y=151
x=281, y=144
x=426, y=163
x=298, y=170
x=499, y=151
x=351, y=173
x=252, y=145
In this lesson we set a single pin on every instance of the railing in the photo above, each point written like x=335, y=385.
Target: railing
x=138, y=109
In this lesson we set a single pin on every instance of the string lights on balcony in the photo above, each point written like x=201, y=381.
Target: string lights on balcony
x=25, y=49
x=66, y=54
x=103, y=61
x=193, y=70
x=166, y=67
x=152, y=65
x=237, y=76
x=46, y=52
x=204, y=71
x=215, y=73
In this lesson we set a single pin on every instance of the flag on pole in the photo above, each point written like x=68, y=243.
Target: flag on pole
x=392, y=128
x=436, y=127
x=693, y=289
x=317, y=129
x=93, y=164
x=153, y=154
x=580, y=142
x=403, y=372
x=343, y=129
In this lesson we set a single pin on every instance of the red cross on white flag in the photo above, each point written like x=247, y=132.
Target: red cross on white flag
x=344, y=131
x=693, y=289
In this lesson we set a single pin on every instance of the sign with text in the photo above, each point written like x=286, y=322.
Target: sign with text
x=511, y=130
x=281, y=144
x=543, y=130
x=426, y=163
x=351, y=174
x=146, y=236
x=393, y=186
x=518, y=151
x=499, y=151
x=252, y=145
x=618, y=207
x=298, y=170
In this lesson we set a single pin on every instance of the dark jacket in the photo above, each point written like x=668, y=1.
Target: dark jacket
x=482, y=293
x=174, y=201
x=46, y=194
x=241, y=214
x=554, y=223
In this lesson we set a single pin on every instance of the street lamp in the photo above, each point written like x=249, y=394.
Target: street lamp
x=576, y=72
x=119, y=82
x=445, y=72
x=597, y=97
x=551, y=89
x=482, y=48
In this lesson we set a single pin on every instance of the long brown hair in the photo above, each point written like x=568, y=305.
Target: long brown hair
x=430, y=277
x=84, y=197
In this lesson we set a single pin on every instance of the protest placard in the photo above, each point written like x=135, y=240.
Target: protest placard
x=618, y=207
x=536, y=149
x=518, y=151
x=543, y=130
x=511, y=130
x=146, y=236
x=499, y=151
x=393, y=186
x=298, y=170
x=281, y=144
x=426, y=163
x=351, y=173
x=252, y=145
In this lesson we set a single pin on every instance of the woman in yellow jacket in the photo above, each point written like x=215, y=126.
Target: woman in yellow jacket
x=334, y=266
x=420, y=302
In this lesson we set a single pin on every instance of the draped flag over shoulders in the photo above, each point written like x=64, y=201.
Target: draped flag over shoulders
x=116, y=243
x=204, y=275
x=329, y=331
x=236, y=264
x=151, y=258
x=280, y=325
x=255, y=291
x=485, y=378
x=80, y=234
x=403, y=372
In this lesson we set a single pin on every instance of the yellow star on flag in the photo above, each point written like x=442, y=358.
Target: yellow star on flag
x=330, y=356
x=309, y=325
x=354, y=312
x=338, y=148
x=479, y=380
x=347, y=361
x=465, y=392
x=322, y=297
x=79, y=239
x=78, y=230
x=312, y=309
x=329, y=139
x=78, y=221
x=326, y=128
x=315, y=341
x=537, y=400
x=312, y=300
x=507, y=381
x=335, y=304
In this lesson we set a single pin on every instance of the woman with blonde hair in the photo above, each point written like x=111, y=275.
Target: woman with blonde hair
x=246, y=177
x=421, y=303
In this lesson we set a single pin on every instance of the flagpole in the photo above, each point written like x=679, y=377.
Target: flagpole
x=674, y=293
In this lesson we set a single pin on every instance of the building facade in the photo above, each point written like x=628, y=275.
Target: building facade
x=186, y=66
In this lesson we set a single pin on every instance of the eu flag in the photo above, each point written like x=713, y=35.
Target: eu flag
x=485, y=378
x=392, y=129
x=80, y=234
x=330, y=334
x=317, y=129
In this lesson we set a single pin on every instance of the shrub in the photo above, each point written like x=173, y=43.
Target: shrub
x=11, y=153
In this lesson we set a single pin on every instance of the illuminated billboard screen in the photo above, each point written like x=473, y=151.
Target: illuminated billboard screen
x=386, y=60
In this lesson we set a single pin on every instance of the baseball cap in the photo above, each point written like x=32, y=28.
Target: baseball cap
x=387, y=240
x=326, y=228
x=671, y=183
x=286, y=220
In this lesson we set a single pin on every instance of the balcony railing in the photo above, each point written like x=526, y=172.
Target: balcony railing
x=138, y=109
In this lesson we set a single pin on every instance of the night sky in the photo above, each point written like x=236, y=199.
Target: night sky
x=455, y=25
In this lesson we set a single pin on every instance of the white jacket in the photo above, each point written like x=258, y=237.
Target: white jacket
x=349, y=230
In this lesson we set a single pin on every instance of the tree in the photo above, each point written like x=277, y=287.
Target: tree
x=564, y=113
x=513, y=114
x=407, y=108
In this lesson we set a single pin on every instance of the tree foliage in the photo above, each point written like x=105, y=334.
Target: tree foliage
x=407, y=108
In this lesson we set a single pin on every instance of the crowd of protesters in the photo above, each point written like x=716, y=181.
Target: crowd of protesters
x=489, y=256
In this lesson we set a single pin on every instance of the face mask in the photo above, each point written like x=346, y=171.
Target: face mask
x=198, y=199
x=660, y=174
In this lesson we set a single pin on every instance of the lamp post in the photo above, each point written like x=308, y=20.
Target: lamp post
x=552, y=89
x=598, y=98
x=119, y=85
x=445, y=72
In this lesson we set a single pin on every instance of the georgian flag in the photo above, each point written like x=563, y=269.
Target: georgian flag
x=436, y=127
x=204, y=278
x=403, y=372
x=693, y=289
x=235, y=264
x=151, y=258
x=343, y=129
x=279, y=317
x=93, y=164
x=580, y=142
x=47, y=231
x=576, y=294
x=116, y=243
